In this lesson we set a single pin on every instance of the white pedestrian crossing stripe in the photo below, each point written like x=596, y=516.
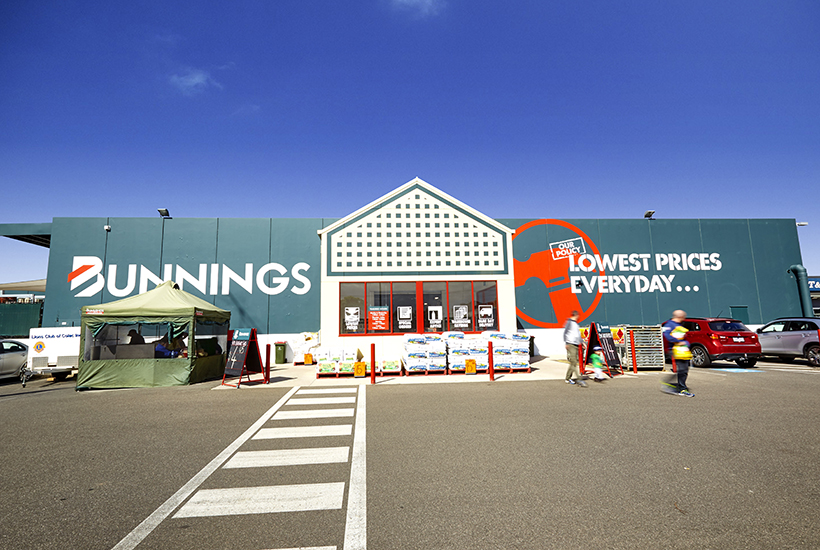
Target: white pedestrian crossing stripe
x=308, y=391
x=314, y=413
x=321, y=400
x=304, y=431
x=264, y=500
x=288, y=457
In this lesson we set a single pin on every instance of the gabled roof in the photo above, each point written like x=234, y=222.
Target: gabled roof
x=400, y=192
x=416, y=230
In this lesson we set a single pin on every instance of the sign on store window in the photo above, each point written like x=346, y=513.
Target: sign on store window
x=434, y=317
x=486, y=317
x=405, y=317
x=378, y=318
x=461, y=317
x=352, y=316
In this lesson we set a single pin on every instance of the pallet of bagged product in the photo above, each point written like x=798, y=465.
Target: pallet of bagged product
x=388, y=367
x=511, y=352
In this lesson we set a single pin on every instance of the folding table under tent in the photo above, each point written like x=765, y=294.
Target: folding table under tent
x=119, y=340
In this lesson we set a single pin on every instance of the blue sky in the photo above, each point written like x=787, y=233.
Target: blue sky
x=302, y=108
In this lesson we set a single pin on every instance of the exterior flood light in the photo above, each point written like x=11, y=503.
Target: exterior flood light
x=164, y=213
x=648, y=214
x=802, y=224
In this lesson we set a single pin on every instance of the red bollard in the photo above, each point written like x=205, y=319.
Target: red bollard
x=372, y=363
x=632, y=345
x=267, y=364
x=490, y=362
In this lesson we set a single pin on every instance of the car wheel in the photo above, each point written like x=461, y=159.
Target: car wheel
x=785, y=358
x=700, y=357
x=813, y=355
x=746, y=363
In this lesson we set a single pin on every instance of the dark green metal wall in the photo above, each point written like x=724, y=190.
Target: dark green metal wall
x=190, y=243
x=754, y=257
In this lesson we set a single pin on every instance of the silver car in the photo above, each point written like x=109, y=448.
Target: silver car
x=791, y=337
x=13, y=356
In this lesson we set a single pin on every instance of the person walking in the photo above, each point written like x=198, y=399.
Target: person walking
x=572, y=341
x=674, y=335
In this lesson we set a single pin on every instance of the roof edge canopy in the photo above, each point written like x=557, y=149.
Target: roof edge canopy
x=32, y=233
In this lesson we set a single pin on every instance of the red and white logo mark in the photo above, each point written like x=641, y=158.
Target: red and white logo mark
x=84, y=269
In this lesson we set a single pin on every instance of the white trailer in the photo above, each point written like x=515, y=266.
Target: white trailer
x=53, y=351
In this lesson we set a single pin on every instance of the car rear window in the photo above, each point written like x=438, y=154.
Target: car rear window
x=728, y=326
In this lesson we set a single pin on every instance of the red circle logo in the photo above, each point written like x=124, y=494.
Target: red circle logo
x=554, y=273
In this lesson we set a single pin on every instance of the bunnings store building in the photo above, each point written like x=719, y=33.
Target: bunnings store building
x=419, y=260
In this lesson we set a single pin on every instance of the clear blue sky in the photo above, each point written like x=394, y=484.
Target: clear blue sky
x=302, y=108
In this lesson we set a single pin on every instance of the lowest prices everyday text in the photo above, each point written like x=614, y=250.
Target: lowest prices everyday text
x=633, y=263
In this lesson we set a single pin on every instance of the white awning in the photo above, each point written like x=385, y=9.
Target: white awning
x=38, y=285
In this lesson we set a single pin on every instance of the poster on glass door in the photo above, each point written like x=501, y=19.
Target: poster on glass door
x=486, y=317
x=461, y=317
x=434, y=317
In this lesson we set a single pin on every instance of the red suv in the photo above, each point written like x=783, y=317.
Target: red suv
x=715, y=339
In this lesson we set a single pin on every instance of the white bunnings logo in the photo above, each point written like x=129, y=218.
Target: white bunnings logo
x=210, y=279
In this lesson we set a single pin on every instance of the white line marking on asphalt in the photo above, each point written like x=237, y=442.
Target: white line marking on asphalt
x=150, y=523
x=321, y=400
x=288, y=457
x=800, y=370
x=307, y=391
x=318, y=413
x=710, y=372
x=264, y=500
x=304, y=431
x=356, y=525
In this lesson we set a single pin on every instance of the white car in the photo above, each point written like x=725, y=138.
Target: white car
x=791, y=337
x=13, y=355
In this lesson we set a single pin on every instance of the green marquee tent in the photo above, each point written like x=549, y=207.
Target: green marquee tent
x=163, y=337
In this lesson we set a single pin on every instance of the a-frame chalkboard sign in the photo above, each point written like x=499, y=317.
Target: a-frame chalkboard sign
x=243, y=356
x=600, y=335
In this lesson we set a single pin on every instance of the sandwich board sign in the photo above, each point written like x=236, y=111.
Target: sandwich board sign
x=243, y=356
x=601, y=335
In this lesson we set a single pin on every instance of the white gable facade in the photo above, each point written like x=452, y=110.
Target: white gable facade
x=415, y=260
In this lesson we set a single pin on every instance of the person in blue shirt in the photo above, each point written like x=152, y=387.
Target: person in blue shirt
x=674, y=336
x=161, y=349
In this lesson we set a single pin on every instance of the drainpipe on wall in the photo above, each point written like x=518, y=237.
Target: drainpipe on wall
x=799, y=273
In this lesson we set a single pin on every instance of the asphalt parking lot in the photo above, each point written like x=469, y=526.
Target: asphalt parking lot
x=537, y=464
